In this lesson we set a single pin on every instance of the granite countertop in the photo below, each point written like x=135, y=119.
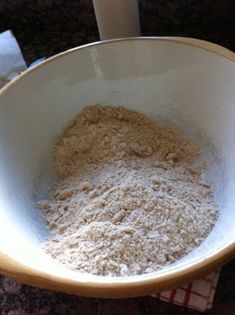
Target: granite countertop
x=17, y=299
x=44, y=28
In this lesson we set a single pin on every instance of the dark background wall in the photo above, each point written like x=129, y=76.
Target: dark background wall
x=46, y=27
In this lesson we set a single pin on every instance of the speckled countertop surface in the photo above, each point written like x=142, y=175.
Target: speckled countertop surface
x=17, y=299
x=44, y=28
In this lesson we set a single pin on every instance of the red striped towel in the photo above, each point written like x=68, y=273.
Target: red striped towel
x=198, y=295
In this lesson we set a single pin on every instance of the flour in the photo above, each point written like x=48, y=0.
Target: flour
x=130, y=199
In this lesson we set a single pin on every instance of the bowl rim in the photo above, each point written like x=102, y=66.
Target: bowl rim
x=119, y=288
x=188, y=41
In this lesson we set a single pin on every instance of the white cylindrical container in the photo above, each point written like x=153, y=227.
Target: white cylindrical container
x=117, y=18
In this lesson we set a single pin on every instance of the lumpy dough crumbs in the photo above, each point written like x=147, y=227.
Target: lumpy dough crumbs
x=130, y=199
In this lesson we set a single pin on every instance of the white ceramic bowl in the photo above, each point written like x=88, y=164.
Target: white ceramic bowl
x=188, y=82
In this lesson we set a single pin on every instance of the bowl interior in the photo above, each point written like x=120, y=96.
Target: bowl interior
x=169, y=81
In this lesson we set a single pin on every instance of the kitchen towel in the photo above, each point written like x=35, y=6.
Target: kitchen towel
x=198, y=295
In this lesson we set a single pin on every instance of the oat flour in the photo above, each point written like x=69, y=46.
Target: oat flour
x=130, y=199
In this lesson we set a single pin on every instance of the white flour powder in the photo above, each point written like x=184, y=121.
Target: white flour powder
x=130, y=198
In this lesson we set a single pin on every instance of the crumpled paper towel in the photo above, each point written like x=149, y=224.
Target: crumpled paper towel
x=11, y=58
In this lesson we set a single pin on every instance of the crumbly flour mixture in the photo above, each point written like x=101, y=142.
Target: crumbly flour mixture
x=130, y=199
